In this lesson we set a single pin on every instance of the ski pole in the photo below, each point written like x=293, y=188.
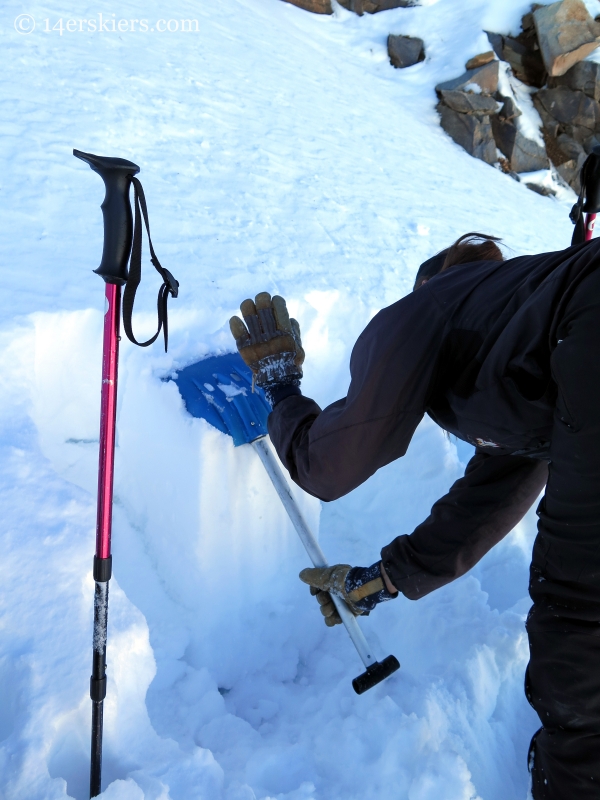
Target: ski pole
x=583, y=213
x=376, y=671
x=116, y=174
x=590, y=221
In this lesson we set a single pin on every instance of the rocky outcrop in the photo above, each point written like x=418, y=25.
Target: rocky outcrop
x=466, y=104
x=480, y=113
x=583, y=77
x=565, y=111
x=482, y=80
x=404, y=51
x=473, y=132
x=316, y=6
x=566, y=34
x=373, y=6
x=522, y=53
x=571, y=126
x=469, y=102
x=522, y=154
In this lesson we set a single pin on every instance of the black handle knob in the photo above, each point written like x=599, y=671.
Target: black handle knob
x=116, y=210
x=374, y=674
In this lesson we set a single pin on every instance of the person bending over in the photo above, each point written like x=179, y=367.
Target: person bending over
x=504, y=355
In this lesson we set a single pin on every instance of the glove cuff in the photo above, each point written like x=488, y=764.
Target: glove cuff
x=287, y=387
x=365, y=587
x=275, y=369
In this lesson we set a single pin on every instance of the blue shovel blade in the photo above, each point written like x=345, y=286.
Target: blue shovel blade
x=219, y=390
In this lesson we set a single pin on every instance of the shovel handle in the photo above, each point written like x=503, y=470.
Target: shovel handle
x=375, y=671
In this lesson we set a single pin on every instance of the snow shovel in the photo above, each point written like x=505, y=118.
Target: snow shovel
x=219, y=390
x=588, y=202
x=121, y=239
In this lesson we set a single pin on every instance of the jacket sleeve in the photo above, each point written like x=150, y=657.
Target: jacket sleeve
x=330, y=452
x=479, y=510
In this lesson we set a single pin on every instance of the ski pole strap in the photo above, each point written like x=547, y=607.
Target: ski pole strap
x=169, y=287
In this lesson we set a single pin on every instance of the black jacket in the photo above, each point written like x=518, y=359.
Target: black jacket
x=471, y=348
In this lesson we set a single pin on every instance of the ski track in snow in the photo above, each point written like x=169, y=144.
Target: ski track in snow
x=280, y=151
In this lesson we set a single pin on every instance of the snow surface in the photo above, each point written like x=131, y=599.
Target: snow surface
x=280, y=151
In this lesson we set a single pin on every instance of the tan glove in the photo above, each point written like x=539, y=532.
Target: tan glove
x=362, y=588
x=326, y=580
x=269, y=341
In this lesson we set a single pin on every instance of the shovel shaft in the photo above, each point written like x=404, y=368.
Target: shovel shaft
x=309, y=541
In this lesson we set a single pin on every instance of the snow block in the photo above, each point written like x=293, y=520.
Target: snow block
x=404, y=51
x=486, y=78
x=219, y=390
x=566, y=34
x=472, y=133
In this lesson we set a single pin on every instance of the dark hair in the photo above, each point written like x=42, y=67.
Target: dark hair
x=472, y=247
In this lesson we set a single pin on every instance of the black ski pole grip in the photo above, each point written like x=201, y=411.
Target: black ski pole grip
x=116, y=210
x=591, y=178
x=374, y=674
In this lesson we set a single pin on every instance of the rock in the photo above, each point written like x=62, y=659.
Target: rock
x=470, y=103
x=590, y=143
x=567, y=110
x=472, y=133
x=583, y=77
x=509, y=110
x=522, y=53
x=545, y=191
x=570, y=171
x=550, y=125
x=573, y=150
x=316, y=6
x=523, y=155
x=486, y=78
x=481, y=60
x=497, y=42
x=568, y=157
x=526, y=62
x=373, y=6
x=404, y=51
x=566, y=34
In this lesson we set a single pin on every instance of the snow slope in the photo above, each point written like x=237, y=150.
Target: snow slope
x=280, y=151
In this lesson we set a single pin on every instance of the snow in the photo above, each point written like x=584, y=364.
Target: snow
x=280, y=151
x=529, y=123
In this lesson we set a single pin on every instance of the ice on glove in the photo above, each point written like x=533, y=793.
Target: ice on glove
x=362, y=588
x=268, y=340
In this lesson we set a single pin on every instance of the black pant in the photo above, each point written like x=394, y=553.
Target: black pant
x=563, y=676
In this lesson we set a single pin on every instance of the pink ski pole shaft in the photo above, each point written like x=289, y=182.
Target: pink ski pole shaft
x=103, y=558
x=590, y=221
